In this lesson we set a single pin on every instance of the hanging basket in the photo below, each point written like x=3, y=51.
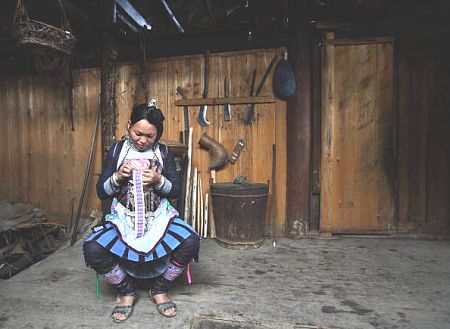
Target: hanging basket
x=42, y=37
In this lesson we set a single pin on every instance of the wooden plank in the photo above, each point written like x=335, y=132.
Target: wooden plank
x=328, y=117
x=225, y=100
x=344, y=137
x=357, y=162
x=359, y=41
x=438, y=144
x=316, y=145
x=387, y=181
x=299, y=139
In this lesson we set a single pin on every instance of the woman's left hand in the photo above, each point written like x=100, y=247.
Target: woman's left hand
x=151, y=177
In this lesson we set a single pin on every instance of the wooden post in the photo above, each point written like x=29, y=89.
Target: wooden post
x=299, y=139
x=108, y=101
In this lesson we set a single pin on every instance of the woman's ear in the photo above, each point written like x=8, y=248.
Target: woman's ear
x=128, y=125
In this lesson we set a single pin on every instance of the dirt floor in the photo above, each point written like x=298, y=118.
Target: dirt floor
x=312, y=283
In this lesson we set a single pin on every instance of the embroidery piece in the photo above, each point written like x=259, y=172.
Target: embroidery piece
x=139, y=203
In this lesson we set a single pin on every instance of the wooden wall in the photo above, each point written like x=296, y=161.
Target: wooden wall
x=424, y=143
x=44, y=160
x=357, y=178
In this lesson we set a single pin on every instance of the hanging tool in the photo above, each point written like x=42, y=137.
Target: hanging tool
x=237, y=150
x=251, y=107
x=252, y=88
x=183, y=94
x=226, y=107
x=204, y=108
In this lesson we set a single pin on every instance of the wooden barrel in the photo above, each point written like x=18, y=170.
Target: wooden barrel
x=239, y=214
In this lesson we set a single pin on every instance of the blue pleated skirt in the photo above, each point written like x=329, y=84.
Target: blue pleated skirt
x=109, y=238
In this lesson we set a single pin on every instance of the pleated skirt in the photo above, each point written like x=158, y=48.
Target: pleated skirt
x=109, y=238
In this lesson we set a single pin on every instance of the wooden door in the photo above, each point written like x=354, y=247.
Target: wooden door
x=358, y=162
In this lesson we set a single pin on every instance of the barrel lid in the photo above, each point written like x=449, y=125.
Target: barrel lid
x=239, y=189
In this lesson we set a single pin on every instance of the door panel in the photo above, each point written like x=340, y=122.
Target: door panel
x=357, y=175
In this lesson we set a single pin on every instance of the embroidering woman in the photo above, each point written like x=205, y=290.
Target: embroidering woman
x=142, y=237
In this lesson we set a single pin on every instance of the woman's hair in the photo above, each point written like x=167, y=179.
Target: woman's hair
x=150, y=113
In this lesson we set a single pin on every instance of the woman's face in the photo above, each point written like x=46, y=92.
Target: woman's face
x=142, y=134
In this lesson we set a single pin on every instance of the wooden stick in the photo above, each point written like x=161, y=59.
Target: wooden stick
x=205, y=232
x=194, y=198
x=200, y=206
x=187, y=196
x=212, y=223
x=199, y=214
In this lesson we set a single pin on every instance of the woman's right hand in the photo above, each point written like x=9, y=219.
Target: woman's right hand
x=123, y=173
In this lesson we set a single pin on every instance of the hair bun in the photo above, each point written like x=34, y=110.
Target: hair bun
x=155, y=114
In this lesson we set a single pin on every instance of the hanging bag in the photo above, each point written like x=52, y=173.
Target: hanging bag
x=284, y=82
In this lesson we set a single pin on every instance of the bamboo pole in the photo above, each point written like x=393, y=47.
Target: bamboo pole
x=205, y=232
x=187, y=196
x=212, y=223
x=200, y=206
x=194, y=198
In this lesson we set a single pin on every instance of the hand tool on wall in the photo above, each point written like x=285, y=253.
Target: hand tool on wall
x=226, y=107
x=183, y=94
x=252, y=91
x=204, y=108
x=237, y=150
x=251, y=107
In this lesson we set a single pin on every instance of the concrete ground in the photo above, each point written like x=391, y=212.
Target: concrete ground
x=345, y=282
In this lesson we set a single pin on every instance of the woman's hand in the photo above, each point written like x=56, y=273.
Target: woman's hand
x=123, y=173
x=151, y=177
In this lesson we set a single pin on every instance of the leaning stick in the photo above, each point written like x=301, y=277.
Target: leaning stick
x=194, y=198
x=187, y=196
x=205, y=232
x=198, y=216
x=200, y=206
x=212, y=223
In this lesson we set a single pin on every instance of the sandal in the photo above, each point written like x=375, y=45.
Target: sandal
x=163, y=307
x=122, y=309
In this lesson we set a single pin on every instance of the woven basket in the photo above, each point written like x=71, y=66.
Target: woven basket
x=42, y=37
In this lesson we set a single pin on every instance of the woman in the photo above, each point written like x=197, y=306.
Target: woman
x=142, y=237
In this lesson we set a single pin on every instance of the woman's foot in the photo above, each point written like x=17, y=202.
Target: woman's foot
x=122, y=311
x=165, y=305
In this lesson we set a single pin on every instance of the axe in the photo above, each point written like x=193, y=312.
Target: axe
x=204, y=108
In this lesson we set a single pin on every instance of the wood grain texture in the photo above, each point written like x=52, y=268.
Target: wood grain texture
x=357, y=161
x=45, y=160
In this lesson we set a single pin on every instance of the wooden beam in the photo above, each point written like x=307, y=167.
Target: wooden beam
x=225, y=100
x=298, y=137
x=137, y=18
